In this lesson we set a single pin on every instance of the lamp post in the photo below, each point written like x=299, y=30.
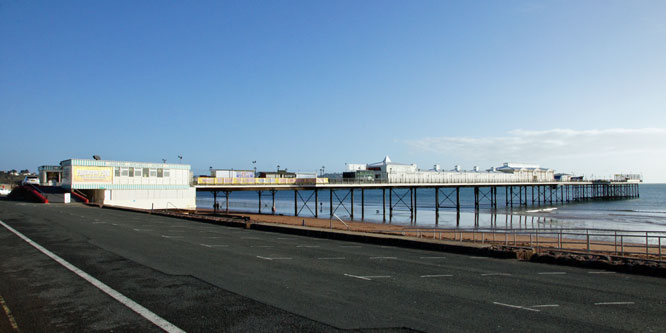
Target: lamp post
x=254, y=165
x=323, y=169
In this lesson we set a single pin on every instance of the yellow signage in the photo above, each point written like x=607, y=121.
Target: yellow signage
x=89, y=174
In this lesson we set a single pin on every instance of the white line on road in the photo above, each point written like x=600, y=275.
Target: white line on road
x=552, y=273
x=350, y=246
x=516, y=307
x=368, y=278
x=165, y=236
x=143, y=229
x=262, y=246
x=276, y=258
x=332, y=258
x=285, y=238
x=601, y=272
x=614, y=303
x=496, y=274
x=545, y=306
x=432, y=257
x=213, y=245
x=254, y=238
x=436, y=275
x=98, y=222
x=372, y=258
x=136, y=307
x=308, y=246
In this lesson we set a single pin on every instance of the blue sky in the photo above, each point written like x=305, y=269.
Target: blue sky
x=573, y=85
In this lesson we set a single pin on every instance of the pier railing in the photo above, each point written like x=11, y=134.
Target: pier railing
x=647, y=245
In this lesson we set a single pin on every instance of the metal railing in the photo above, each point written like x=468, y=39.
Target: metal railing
x=624, y=243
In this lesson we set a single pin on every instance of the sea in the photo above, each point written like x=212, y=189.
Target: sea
x=645, y=213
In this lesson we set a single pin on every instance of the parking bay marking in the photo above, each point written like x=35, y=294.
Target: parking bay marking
x=274, y=258
x=368, y=277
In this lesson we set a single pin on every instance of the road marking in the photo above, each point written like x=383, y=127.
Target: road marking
x=601, y=272
x=350, y=246
x=552, y=273
x=98, y=222
x=213, y=245
x=496, y=274
x=545, y=306
x=332, y=258
x=372, y=258
x=143, y=229
x=136, y=307
x=8, y=312
x=213, y=237
x=255, y=238
x=307, y=246
x=262, y=246
x=432, y=257
x=516, y=307
x=614, y=303
x=278, y=258
x=436, y=275
x=114, y=224
x=165, y=236
x=368, y=278
x=478, y=258
x=285, y=238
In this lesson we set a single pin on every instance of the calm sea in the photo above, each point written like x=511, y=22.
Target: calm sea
x=645, y=213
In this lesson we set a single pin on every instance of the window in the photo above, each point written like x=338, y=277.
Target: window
x=160, y=172
x=116, y=171
x=153, y=172
x=137, y=172
x=166, y=173
x=124, y=172
x=131, y=172
x=145, y=173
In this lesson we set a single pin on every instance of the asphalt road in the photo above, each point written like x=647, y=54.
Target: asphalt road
x=203, y=277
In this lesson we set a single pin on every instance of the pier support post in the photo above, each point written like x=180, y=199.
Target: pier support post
x=227, y=203
x=331, y=201
x=295, y=202
x=415, y=204
x=273, y=206
x=436, y=202
x=458, y=198
x=259, y=193
x=316, y=203
x=476, y=198
x=532, y=190
x=351, y=191
x=215, y=202
x=511, y=192
x=362, y=203
x=390, y=204
x=384, y=204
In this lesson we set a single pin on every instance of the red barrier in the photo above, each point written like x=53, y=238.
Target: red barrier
x=80, y=197
x=37, y=194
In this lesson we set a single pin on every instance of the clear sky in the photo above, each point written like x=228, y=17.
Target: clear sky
x=572, y=85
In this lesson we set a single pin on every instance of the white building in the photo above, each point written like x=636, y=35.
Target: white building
x=409, y=173
x=131, y=184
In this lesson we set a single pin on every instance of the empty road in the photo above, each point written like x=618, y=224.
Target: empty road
x=200, y=276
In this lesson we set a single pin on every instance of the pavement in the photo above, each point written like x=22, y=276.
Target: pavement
x=204, y=277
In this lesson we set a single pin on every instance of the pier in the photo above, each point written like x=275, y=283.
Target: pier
x=342, y=194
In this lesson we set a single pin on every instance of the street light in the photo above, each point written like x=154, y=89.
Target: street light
x=278, y=168
x=254, y=164
x=323, y=168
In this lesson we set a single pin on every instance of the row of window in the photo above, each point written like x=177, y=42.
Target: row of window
x=139, y=172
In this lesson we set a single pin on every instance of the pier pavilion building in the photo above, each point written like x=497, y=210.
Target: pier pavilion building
x=393, y=172
x=140, y=185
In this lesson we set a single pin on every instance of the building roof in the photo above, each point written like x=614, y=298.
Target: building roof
x=386, y=161
x=105, y=163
